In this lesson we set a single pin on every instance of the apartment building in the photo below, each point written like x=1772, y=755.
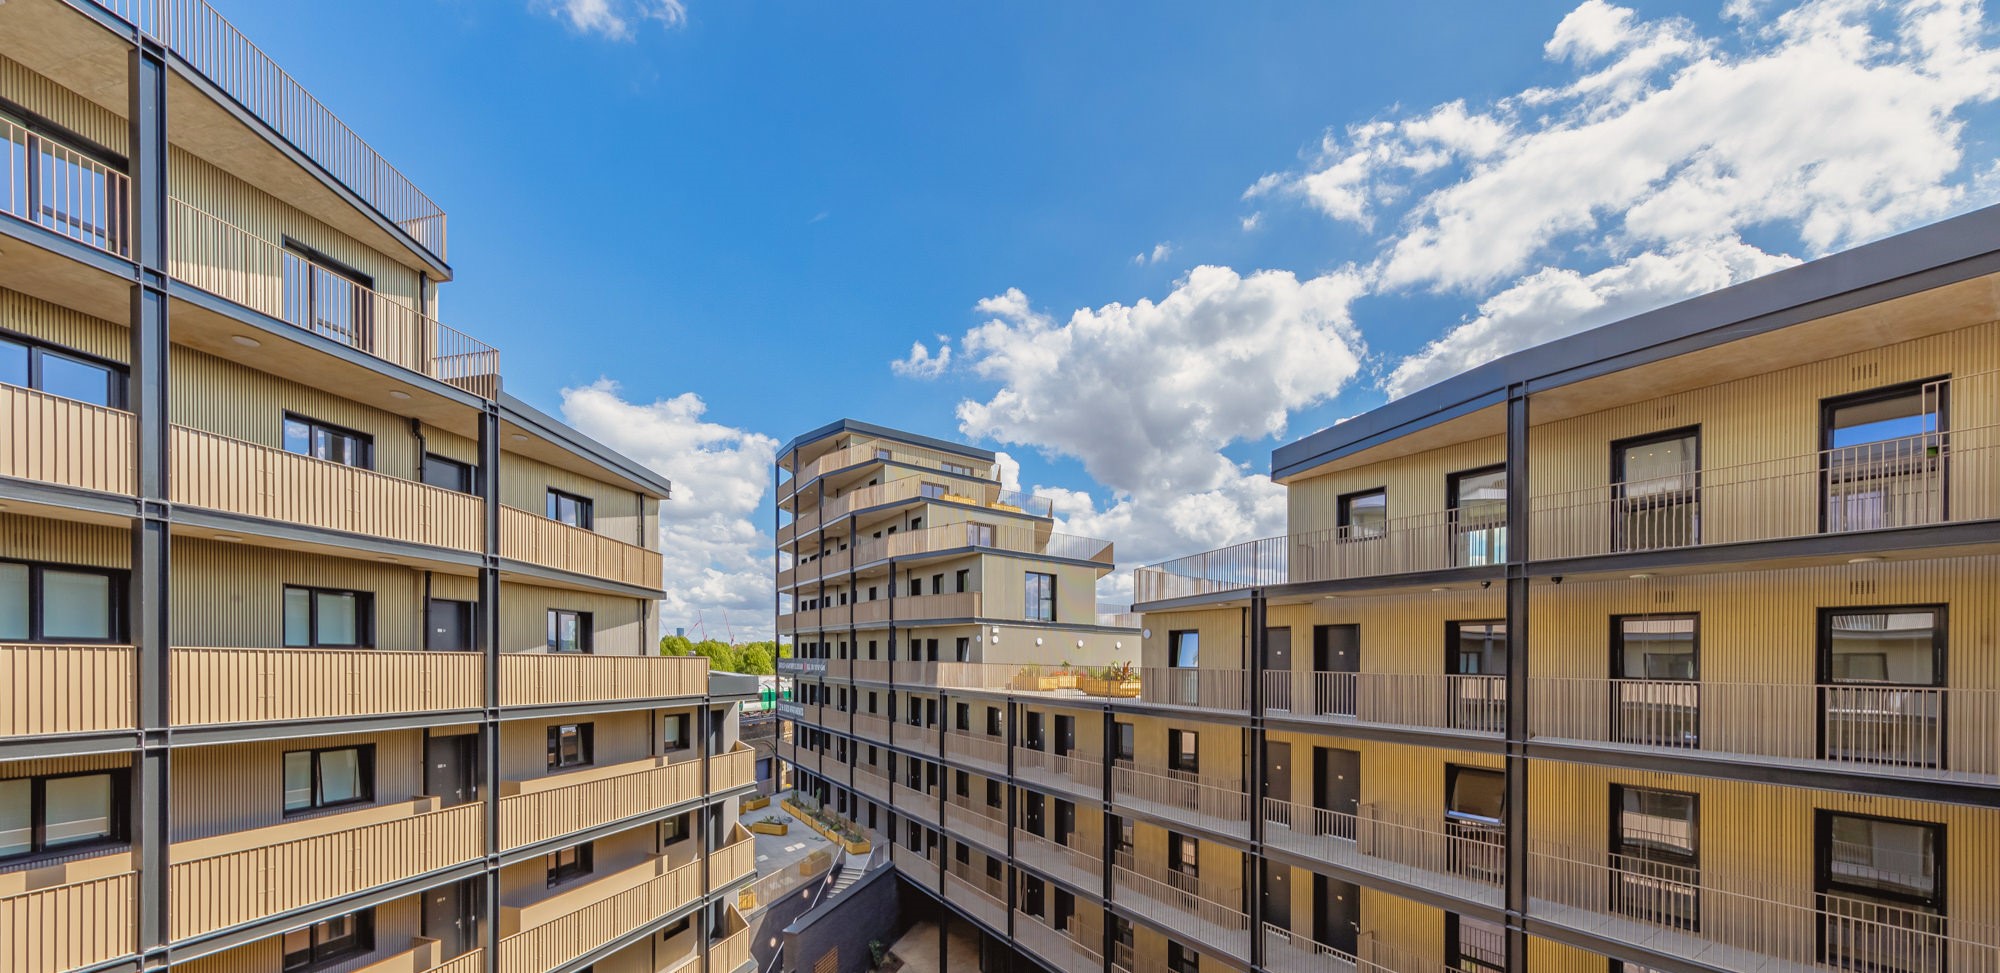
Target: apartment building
x=318, y=651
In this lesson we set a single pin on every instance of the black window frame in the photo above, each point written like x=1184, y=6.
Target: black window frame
x=1940, y=638
x=586, y=746
x=319, y=955
x=565, y=865
x=1343, y=506
x=1654, y=708
x=1824, y=882
x=1038, y=589
x=119, y=626
x=1184, y=750
x=117, y=383
x=364, y=617
x=364, y=442
x=675, y=829
x=685, y=722
x=585, y=630
x=1454, y=951
x=1833, y=403
x=1174, y=639
x=586, y=508
x=1455, y=517
x=1620, y=496
x=1643, y=857
x=364, y=762
x=118, y=816
x=466, y=474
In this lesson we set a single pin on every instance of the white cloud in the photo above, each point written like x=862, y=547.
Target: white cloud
x=1160, y=251
x=921, y=363
x=718, y=557
x=1253, y=221
x=614, y=18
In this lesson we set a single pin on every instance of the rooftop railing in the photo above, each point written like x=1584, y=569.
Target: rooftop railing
x=214, y=47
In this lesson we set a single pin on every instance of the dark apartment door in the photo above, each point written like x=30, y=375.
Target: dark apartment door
x=1065, y=821
x=1278, y=771
x=449, y=765
x=1278, y=894
x=1277, y=650
x=1033, y=740
x=1336, y=913
x=448, y=626
x=1032, y=813
x=1065, y=735
x=451, y=917
x=1336, y=649
x=1337, y=786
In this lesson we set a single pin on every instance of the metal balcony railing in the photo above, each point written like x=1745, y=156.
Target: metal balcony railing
x=1072, y=862
x=1470, y=704
x=1180, y=901
x=49, y=184
x=547, y=934
x=1466, y=858
x=1182, y=794
x=1059, y=947
x=1068, y=771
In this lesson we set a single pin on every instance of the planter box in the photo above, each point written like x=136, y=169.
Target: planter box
x=770, y=827
x=1043, y=684
x=1124, y=689
x=756, y=803
x=856, y=847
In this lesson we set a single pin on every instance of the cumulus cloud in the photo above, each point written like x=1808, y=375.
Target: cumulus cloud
x=921, y=362
x=719, y=556
x=614, y=18
x=1160, y=251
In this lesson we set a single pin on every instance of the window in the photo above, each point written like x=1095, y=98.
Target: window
x=962, y=649
x=931, y=491
x=46, y=603
x=978, y=534
x=1181, y=959
x=319, y=440
x=1656, y=491
x=674, y=732
x=1182, y=751
x=63, y=811
x=993, y=721
x=569, y=745
x=1656, y=700
x=1363, y=515
x=1869, y=660
x=962, y=784
x=569, y=631
x=33, y=365
x=329, y=777
x=1124, y=741
x=568, y=508
x=569, y=863
x=1041, y=598
x=327, y=298
x=1476, y=667
x=964, y=720
x=1474, y=945
x=1884, y=457
x=448, y=473
x=676, y=829
x=1183, y=854
x=1474, y=804
x=963, y=579
x=330, y=941
x=1477, y=502
x=993, y=793
x=1881, y=887
x=1184, y=650
x=937, y=584
x=328, y=618
x=916, y=586
x=686, y=922
x=1655, y=864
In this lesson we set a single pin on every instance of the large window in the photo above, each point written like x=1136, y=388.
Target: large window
x=1184, y=649
x=328, y=618
x=569, y=864
x=1184, y=751
x=63, y=811
x=1654, y=856
x=1364, y=515
x=48, y=603
x=319, y=440
x=1476, y=667
x=449, y=474
x=569, y=631
x=1884, y=458
x=569, y=745
x=1474, y=945
x=1041, y=601
x=329, y=777
x=327, y=298
x=1655, y=698
x=33, y=365
x=1477, y=501
x=1475, y=802
x=568, y=508
x=1881, y=887
x=329, y=941
x=1879, y=668
x=1183, y=854
x=674, y=732
x=1656, y=491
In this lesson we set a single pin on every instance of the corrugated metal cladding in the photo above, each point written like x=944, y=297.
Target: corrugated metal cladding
x=616, y=738
x=1762, y=626
x=228, y=399
x=58, y=325
x=237, y=787
x=615, y=619
x=397, y=923
x=525, y=483
x=1416, y=484
x=1765, y=417
x=1221, y=637
x=1402, y=923
x=194, y=181
x=232, y=596
x=1399, y=633
x=1394, y=777
x=10, y=769
x=62, y=106
x=1759, y=838
x=60, y=542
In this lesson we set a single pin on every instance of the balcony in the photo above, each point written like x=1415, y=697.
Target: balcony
x=1179, y=901
x=803, y=668
x=558, y=679
x=732, y=951
x=919, y=739
x=1184, y=796
x=1910, y=730
x=55, y=187
x=1071, y=863
x=1423, y=542
x=1739, y=925
x=571, y=923
x=970, y=817
x=233, y=476
x=910, y=488
x=874, y=729
x=1059, y=948
x=1438, y=701
x=65, y=442
x=853, y=456
x=538, y=540
x=1286, y=951
x=737, y=768
x=921, y=868
x=733, y=860
x=235, y=878
x=537, y=810
x=914, y=803
x=1200, y=689
x=977, y=750
x=423, y=957
x=872, y=782
x=1021, y=538
x=973, y=889
x=214, y=255
x=965, y=604
x=68, y=926
x=1461, y=858
x=212, y=686
x=66, y=689
x=1068, y=772
x=871, y=670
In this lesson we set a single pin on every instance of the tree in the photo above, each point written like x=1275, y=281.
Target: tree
x=675, y=645
x=756, y=660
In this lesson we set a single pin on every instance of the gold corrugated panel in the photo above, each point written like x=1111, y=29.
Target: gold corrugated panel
x=62, y=765
x=69, y=926
x=215, y=686
x=58, y=542
x=398, y=947
x=615, y=619
x=1399, y=632
x=232, y=595
x=451, y=445
x=240, y=786
x=59, y=325
x=222, y=397
x=59, y=440
x=1222, y=642
x=62, y=106
x=634, y=897
x=66, y=689
x=525, y=484
x=1416, y=484
x=539, y=679
x=530, y=537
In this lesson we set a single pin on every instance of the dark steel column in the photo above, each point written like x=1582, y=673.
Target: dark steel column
x=703, y=838
x=1258, y=619
x=486, y=635
x=152, y=558
x=1516, y=827
x=1108, y=842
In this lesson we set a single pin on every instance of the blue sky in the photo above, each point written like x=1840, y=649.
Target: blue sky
x=743, y=212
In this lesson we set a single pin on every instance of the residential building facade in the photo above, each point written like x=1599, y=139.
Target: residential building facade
x=318, y=651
